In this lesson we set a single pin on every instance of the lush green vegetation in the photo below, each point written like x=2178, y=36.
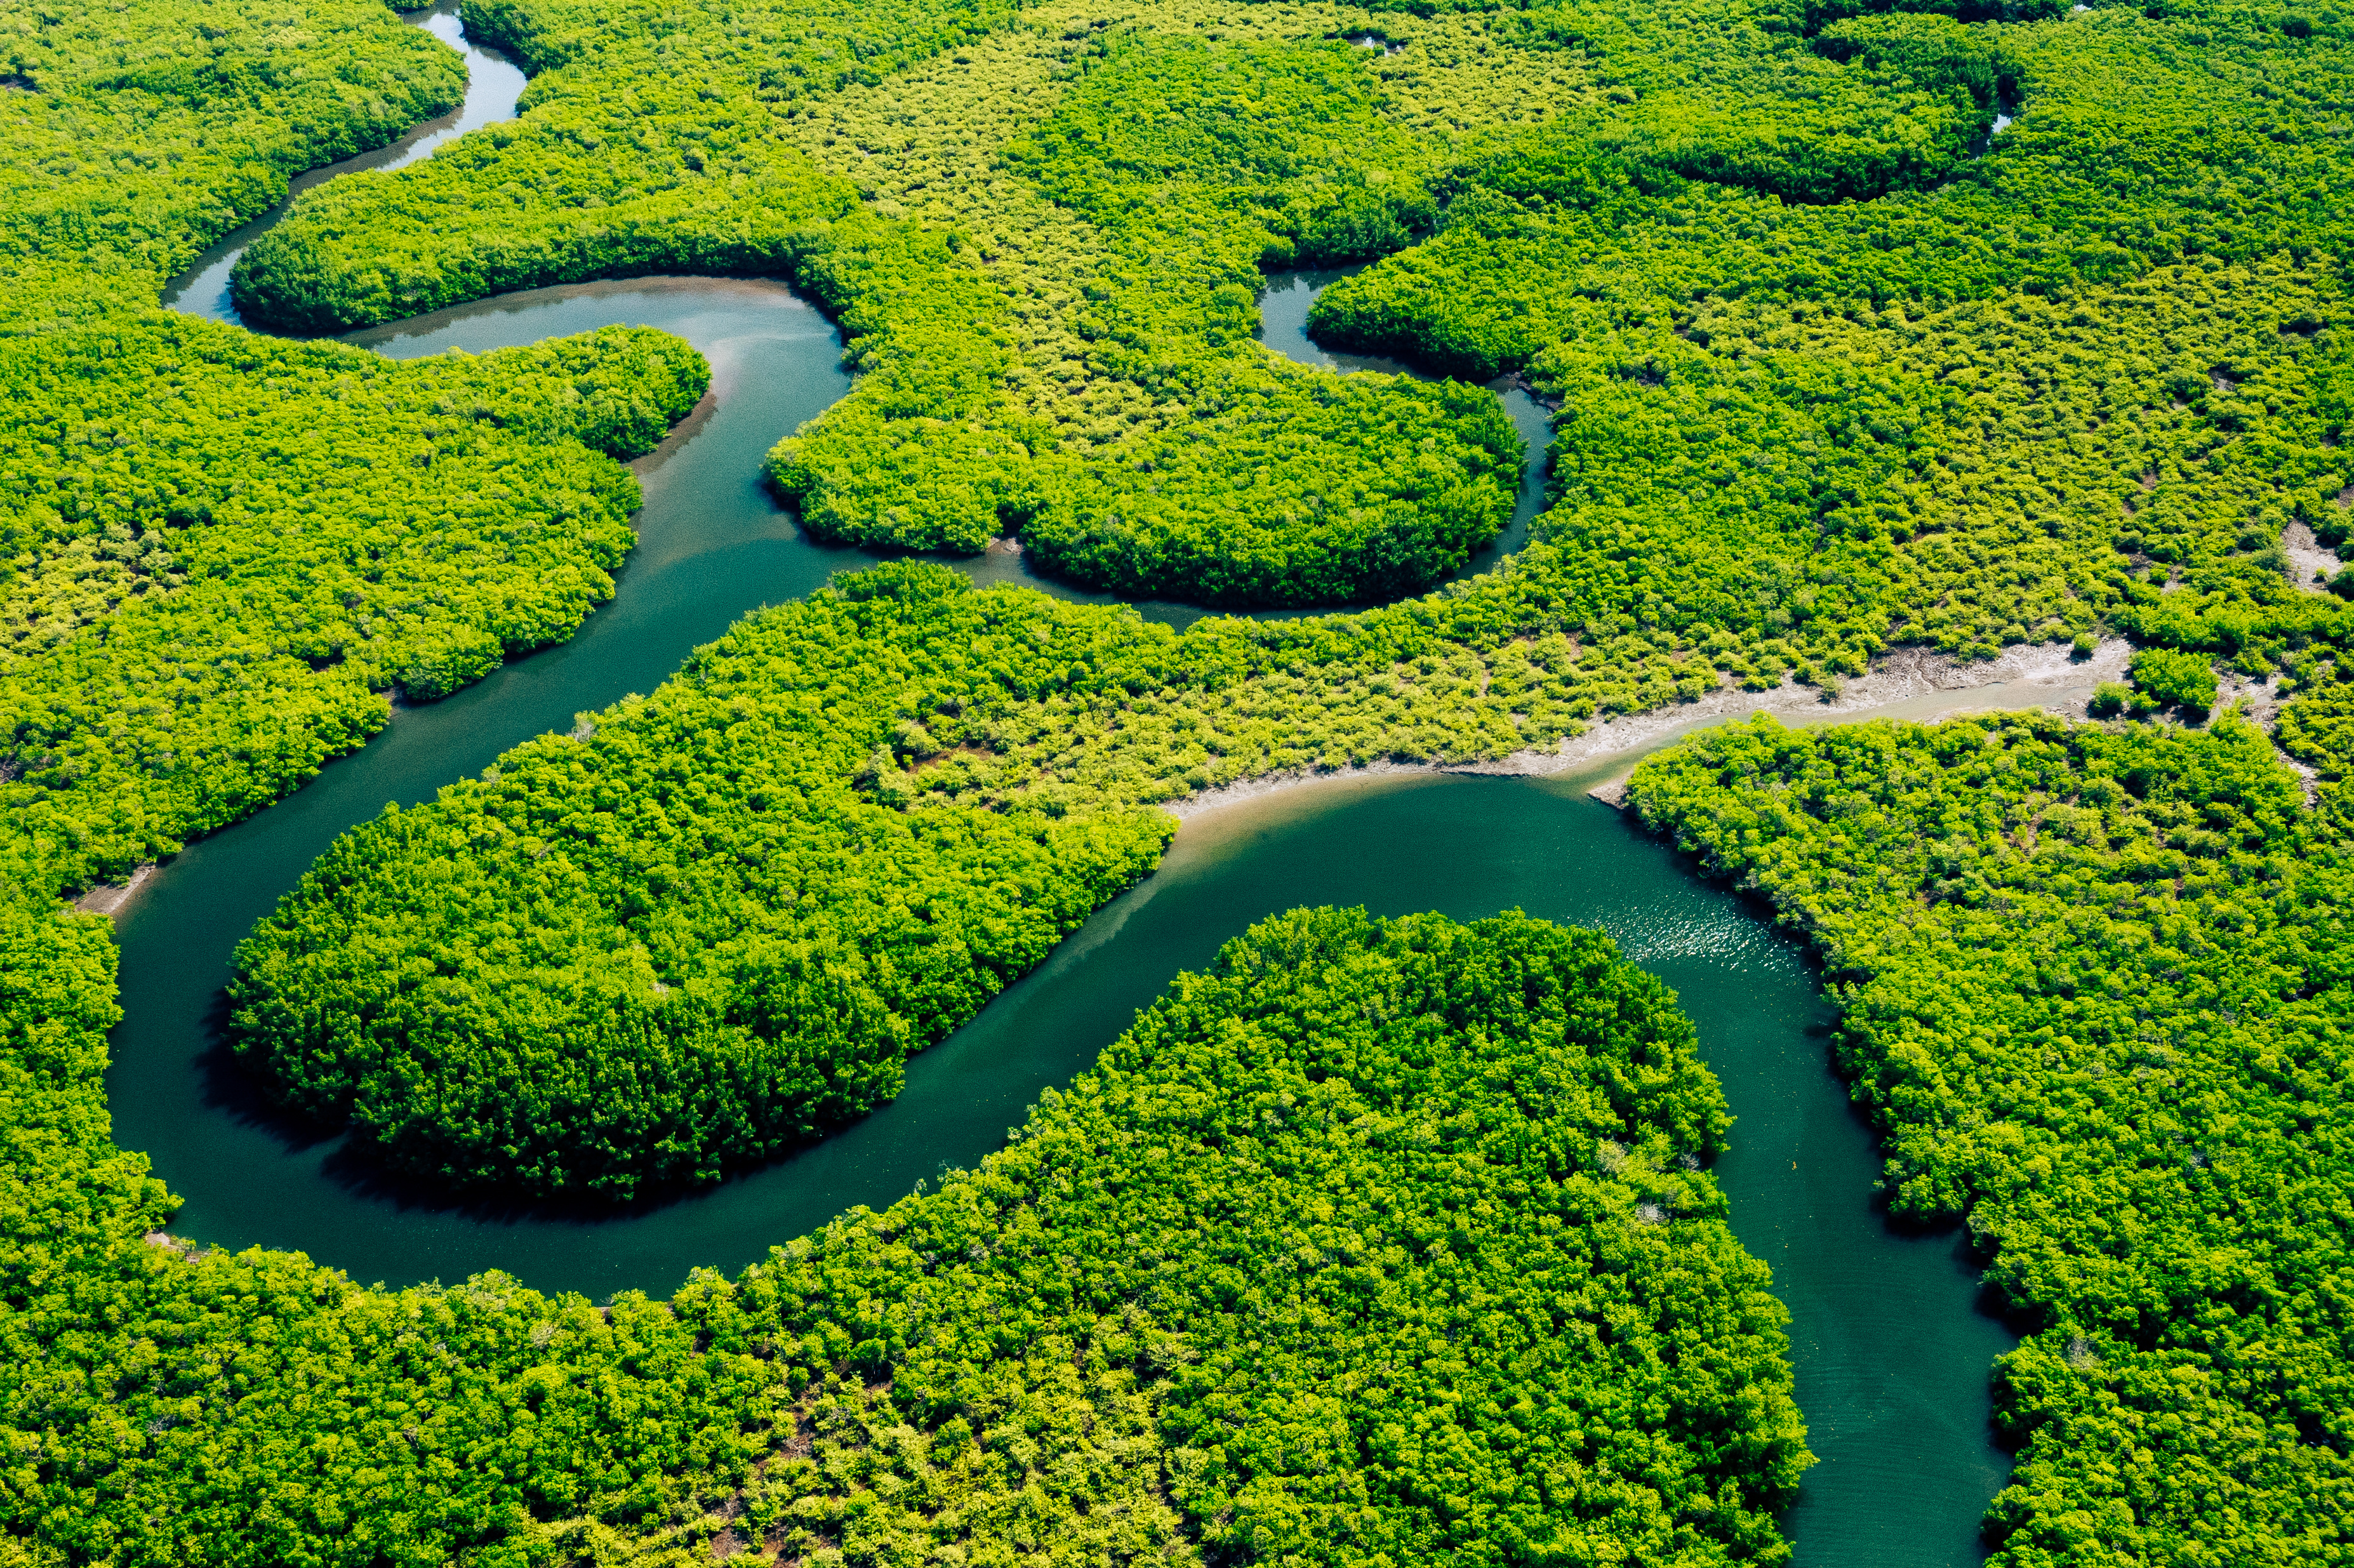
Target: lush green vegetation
x=1142, y=444
x=705, y=925
x=210, y=576
x=1840, y=368
x=1244, y=481
x=1129, y=430
x=2139, y=142
x=1433, y=1268
x=1351, y=1136
x=2094, y=994
x=194, y=620
x=133, y=141
x=2168, y=679
x=602, y=964
x=1050, y=298
x=649, y=141
x=1809, y=488
x=165, y=1406
x=1862, y=440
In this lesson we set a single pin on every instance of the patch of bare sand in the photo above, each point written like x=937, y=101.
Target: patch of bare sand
x=1910, y=683
x=2308, y=558
x=110, y=898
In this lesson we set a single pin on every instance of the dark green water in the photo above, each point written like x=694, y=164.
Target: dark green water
x=1890, y=1353
x=712, y=545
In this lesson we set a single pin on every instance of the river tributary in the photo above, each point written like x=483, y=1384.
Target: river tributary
x=1890, y=1350
x=493, y=85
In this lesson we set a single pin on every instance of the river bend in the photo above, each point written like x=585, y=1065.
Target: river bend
x=1890, y=1351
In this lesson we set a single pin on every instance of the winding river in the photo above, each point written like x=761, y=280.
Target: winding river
x=493, y=86
x=1890, y=1348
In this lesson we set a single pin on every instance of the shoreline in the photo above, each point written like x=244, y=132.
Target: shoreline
x=108, y=899
x=1910, y=683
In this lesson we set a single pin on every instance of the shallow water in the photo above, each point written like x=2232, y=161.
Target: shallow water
x=1890, y=1353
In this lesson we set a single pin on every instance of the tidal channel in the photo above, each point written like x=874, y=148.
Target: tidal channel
x=1890, y=1348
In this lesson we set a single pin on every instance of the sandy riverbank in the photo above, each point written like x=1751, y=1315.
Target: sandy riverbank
x=110, y=898
x=1909, y=683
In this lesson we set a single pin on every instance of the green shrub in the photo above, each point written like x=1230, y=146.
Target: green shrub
x=2169, y=679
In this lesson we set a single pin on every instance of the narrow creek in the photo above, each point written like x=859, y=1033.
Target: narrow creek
x=493, y=85
x=1890, y=1350
x=1283, y=326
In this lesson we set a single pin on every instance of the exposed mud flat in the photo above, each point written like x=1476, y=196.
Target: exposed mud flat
x=110, y=898
x=1910, y=683
x=2309, y=558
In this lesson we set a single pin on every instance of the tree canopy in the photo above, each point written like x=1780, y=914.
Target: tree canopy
x=2093, y=991
x=1956, y=327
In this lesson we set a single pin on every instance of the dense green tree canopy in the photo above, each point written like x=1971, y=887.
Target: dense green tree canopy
x=1181, y=462
x=210, y=576
x=1381, y=1241
x=704, y=926
x=133, y=141
x=1435, y=1264
x=217, y=575
x=1066, y=359
x=1959, y=327
x=2094, y=991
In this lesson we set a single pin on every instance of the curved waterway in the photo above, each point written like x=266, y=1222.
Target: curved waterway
x=1283, y=310
x=1890, y=1350
x=493, y=86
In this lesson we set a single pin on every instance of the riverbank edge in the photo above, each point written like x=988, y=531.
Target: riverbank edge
x=2050, y=674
